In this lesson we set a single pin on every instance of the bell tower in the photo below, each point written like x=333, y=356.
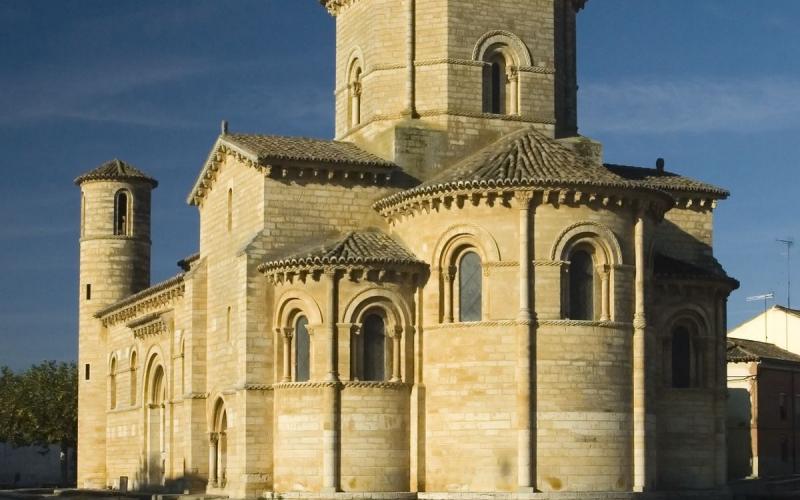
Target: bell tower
x=114, y=263
x=426, y=82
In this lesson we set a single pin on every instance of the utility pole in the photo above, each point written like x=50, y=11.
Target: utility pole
x=764, y=297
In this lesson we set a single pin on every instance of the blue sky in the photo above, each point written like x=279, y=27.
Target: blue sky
x=712, y=86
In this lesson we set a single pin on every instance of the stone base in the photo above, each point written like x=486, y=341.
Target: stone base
x=672, y=495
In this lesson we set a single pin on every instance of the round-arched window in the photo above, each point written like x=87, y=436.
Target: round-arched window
x=374, y=348
x=302, y=341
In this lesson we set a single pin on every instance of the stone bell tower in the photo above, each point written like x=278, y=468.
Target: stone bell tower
x=114, y=263
x=426, y=82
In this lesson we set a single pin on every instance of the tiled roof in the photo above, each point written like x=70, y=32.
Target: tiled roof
x=273, y=147
x=742, y=351
x=667, y=181
x=525, y=158
x=370, y=246
x=116, y=170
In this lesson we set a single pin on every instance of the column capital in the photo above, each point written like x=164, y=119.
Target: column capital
x=213, y=437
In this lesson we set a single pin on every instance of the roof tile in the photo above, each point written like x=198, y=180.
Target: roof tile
x=116, y=170
x=273, y=147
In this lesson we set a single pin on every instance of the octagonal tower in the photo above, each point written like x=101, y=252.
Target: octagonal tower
x=426, y=82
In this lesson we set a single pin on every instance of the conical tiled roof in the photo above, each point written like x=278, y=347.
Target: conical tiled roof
x=526, y=158
x=365, y=247
x=116, y=170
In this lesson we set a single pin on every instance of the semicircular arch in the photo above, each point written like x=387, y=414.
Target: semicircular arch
x=597, y=235
x=517, y=48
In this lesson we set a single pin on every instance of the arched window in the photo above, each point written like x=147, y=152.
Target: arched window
x=230, y=210
x=354, y=88
x=112, y=383
x=302, y=372
x=581, y=286
x=374, y=348
x=219, y=447
x=681, y=357
x=122, y=213
x=500, y=81
x=133, y=378
x=156, y=426
x=470, y=285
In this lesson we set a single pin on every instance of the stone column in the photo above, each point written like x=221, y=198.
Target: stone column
x=213, y=439
x=286, y=333
x=397, y=336
x=513, y=90
x=721, y=392
x=642, y=468
x=605, y=293
x=448, y=276
x=330, y=422
x=526, y=476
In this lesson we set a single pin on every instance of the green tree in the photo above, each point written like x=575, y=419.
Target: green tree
x=39, y=407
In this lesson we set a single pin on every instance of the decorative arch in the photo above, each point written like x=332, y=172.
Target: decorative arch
x=294, y=305
x=465, y=235
x=134, y=366
x=218, y=444
x=112, y=381
x=448, y=255
x=596, y=234
x=293, y=301
x=154, y=401
x=376, y=315
x=520, y=52
x=354, y=78
x=687, y=348
x=590, y=253
x=502, y=54
x=123, y=212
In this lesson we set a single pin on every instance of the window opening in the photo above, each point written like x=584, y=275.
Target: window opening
x=302, y=350
x=86, y=371
x=88, y=291
x=581, y=286
x=470, y=284
x=681, y=356
x=374, y=348
x=121, y=214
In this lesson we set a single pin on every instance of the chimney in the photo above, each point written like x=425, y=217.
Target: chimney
x=660, y=166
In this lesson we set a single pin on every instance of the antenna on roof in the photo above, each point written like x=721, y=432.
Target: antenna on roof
x=764, y=297
x=660, y=166
x=224, y=127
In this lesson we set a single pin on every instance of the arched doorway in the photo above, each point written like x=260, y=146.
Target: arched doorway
x=156, y=425
x=218, y=447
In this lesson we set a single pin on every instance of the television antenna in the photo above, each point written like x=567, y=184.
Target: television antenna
x=789, y=242
x=765, y=297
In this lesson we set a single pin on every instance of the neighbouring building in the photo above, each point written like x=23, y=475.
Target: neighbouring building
x=455, y=295
x=763, y=410
x=777, y=325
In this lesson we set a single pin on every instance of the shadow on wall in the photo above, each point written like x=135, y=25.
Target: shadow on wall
x=34, y=466
x=676, y=242
x=152, y=480
x=740, y=449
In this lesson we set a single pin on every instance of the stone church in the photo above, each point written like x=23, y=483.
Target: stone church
x=455, y=295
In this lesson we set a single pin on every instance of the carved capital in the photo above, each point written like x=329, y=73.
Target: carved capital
x=639, y=322
x=213, y=437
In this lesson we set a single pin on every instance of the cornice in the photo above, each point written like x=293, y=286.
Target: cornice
x=149, y=325
x=155, y=297
x=411, y=204
x=380, y=271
